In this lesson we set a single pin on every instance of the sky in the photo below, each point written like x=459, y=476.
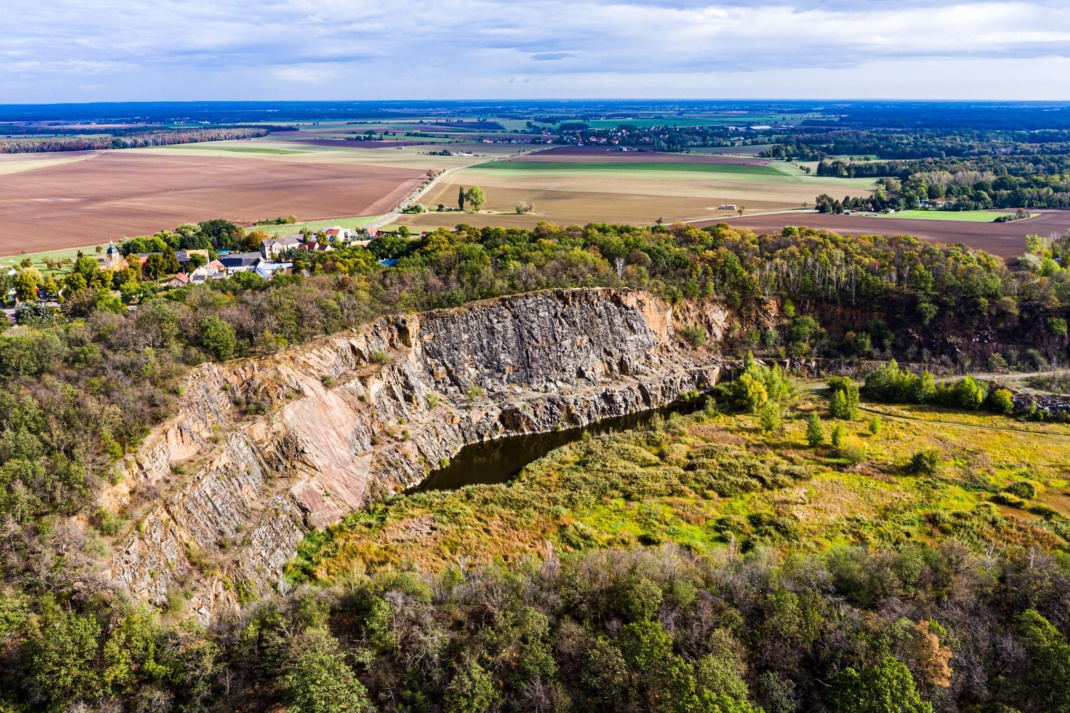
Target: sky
x=118, y=50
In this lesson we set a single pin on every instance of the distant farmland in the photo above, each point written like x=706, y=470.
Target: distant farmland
x=591, y=184
x=115, y=194
x=1003, y=239
x=634, y=166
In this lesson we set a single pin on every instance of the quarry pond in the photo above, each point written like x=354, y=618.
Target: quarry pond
x=499, y=460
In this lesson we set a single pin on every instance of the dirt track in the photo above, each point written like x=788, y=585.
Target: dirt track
x=1003, y=239
x=118, y=194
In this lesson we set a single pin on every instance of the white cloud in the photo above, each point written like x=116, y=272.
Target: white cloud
x=306, y=74
x=308, y=49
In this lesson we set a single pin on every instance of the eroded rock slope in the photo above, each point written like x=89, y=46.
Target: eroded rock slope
x=265, y=449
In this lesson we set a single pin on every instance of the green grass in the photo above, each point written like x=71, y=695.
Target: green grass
x=294, y=228
x=705, y=480
x=39, y=257
x=628, y=167
x=963, y=216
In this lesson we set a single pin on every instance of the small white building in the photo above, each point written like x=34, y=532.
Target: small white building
x=267, y=270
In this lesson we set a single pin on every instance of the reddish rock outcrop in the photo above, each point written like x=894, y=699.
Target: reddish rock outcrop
x=367, y=413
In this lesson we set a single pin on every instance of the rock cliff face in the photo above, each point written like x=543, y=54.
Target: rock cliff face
x=263, y=450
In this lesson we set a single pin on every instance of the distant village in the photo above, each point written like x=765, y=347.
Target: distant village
x=275, y=256
x=190, y=267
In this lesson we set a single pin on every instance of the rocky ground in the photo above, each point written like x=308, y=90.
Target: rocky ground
x=264, y=450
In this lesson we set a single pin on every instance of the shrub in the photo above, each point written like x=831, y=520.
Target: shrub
x=815, y=432
x=1001, y=401
x=748, y=393
x=927, y=310
x=380, y=357
x=852, y=450
x=1008, y=499
x=996, y=362
x=757, y=385
x=839, y=436
x=769, y=417
x=875, y=425
x=890, y=385
x=694, y=335
x=109, y=522
x=328, y=380
x=1036, y=360
x=1022, y=489
x=320, y=681
x=1045, y=511
x=217, y=337
x=843, y=401
x=966, y=393
x=925, y=462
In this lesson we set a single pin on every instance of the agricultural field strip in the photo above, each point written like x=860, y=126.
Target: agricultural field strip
x=964, y=216
x=631, y=166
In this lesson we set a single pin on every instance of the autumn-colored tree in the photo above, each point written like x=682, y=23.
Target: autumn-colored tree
x=930, y=658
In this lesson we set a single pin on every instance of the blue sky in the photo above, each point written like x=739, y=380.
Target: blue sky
x=116, y=50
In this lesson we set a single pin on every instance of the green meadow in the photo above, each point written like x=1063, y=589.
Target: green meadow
x=629, y=167
x=963, y=216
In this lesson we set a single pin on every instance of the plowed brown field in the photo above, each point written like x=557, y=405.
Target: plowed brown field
x=116, y=194
x=1003, y=239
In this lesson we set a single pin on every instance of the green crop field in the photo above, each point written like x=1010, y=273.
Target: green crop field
x=963, y=216
x=294, y=228
x=629, y=167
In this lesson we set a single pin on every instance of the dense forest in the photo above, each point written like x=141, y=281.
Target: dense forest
x=960, y=169
x=628, y=628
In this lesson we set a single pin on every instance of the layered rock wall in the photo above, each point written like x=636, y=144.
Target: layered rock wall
x=359, y=415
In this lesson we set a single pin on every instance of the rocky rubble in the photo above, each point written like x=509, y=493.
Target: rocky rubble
x=265, y=449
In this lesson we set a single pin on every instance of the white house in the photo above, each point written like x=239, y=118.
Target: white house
x=279, y=246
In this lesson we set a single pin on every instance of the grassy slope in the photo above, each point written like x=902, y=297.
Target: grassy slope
x=703, y=481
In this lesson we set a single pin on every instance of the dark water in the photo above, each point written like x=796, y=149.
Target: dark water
x=498, y=461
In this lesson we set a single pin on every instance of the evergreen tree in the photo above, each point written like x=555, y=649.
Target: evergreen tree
x=815, y=432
